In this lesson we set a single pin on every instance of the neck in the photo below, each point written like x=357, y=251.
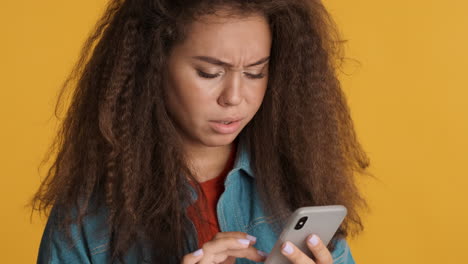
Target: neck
x=208, y=162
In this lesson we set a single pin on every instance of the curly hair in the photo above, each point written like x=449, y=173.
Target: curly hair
x=117, y=146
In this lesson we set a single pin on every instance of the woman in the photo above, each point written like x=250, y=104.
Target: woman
x=195, y=129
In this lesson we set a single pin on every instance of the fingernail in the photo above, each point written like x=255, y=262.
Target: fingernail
x=244, y=241
x=198, y=252
x=287, y=248
x=314, y=240
x=261, y=253
x=251, y=238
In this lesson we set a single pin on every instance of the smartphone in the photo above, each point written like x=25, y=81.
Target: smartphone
x=323, y=221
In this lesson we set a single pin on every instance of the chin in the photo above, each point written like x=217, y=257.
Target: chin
x=219, y=140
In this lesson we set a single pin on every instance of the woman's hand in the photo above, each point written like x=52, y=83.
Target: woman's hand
x=225, y=247
x=296, y=256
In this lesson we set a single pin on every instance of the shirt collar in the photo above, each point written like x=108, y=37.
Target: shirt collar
x=242, y=161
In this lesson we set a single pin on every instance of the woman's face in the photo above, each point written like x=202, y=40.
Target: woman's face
x=219, y=73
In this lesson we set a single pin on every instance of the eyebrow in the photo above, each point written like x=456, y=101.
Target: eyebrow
x=218, y=62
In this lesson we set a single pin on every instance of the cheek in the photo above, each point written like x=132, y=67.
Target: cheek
x=194, y=95
x=189, y=97
x=257, y=94
x=192, y=86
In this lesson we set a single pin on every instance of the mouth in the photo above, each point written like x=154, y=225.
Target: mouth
x=227, y=121
x=227, y=126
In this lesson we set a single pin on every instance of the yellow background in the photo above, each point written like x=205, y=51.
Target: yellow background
x=407, y=94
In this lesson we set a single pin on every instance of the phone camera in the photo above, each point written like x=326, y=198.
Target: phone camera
x=301, y=223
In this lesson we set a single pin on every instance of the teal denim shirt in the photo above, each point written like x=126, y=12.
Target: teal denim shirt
x=238, y=209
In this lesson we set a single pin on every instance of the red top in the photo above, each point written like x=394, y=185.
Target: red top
x=213, y=189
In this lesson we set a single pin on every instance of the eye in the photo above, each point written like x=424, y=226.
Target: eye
x=255, y=76
x=207, y=75
x=212, y=76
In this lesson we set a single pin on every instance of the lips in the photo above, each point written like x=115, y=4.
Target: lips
x=226, y=126
x=227, y=120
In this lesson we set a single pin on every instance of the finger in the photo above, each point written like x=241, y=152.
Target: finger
x=215, y=249
x=219, y=245
x=241, y=235
x=193, y=257
x=295, y=255
x=320, y=251
x=249, y=253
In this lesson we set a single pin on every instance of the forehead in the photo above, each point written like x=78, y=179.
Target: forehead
x=246, y=37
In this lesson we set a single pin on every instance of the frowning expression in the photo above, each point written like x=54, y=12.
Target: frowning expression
x=218, y=74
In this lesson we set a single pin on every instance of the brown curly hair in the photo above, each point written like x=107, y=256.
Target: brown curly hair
x=117, y=146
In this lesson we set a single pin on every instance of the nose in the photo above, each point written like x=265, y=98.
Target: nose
x=232, y=90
